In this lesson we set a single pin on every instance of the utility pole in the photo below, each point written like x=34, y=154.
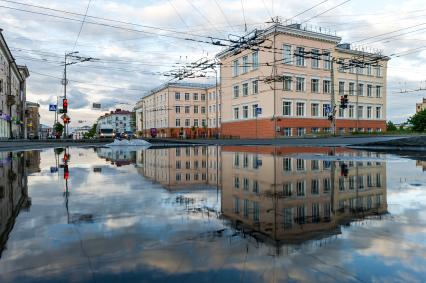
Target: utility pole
x=332, y=100
x=357, y=97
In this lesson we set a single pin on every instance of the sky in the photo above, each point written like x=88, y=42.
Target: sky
x=136, y=42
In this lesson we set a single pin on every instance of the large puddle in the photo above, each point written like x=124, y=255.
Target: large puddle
x=212, y=214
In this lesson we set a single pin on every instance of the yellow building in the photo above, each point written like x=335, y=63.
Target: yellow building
x=421, y=106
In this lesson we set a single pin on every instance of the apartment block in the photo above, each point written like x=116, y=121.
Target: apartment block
x=179, y=110
x=120, y=120
x=12, y=94
x=281, y=86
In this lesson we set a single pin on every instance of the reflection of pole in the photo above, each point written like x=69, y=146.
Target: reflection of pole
x=217, y=108
x=65, y=91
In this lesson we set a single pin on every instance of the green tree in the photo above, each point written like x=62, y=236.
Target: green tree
x=418, y=121
x=390, y=127
x=59, y=128
x=90, y=134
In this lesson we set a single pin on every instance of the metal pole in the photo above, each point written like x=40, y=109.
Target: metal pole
x=357, y=97
x=332, y=98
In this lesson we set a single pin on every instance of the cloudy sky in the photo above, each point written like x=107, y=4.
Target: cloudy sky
x=137, y=41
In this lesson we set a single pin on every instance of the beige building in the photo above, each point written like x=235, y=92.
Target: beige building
x=32, y=119
x=12, y=94
x=421, y=106
x=286, y=75
x=285, y=199
x=179, y=110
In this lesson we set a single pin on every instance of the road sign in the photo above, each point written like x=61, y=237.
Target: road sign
x=258, y=111
x=64, y=116
x=52, y=107
x=96, y=106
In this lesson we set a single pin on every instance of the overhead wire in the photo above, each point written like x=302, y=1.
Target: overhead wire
x=82, y=24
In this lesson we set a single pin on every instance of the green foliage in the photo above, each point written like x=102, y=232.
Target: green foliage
x=418, y=121
x=390, y=127
x=92, y=133
x=59, y=128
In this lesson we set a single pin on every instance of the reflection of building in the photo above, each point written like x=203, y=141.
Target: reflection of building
x=421, y=106
x=422, y=164
x=117, y=156
x=13, y=190
x=182, y=167
x=288, y=198
x=33, y=119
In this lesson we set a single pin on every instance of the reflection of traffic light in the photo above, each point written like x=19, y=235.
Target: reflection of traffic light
x=344, y=170
x=66, y=172
x=65, y=105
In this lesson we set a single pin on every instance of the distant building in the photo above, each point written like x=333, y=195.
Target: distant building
x=32, y=119
x=421, y=106
x=45, y=131
x=179, y=110
x=79, y=132
x=12, y=94
x=120, y=120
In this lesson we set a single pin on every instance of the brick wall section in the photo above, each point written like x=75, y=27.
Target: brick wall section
x=265, y=127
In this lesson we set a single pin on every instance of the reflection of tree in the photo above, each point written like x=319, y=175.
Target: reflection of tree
x=13, y=192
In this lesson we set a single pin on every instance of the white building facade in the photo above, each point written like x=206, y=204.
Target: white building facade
x=120, y=120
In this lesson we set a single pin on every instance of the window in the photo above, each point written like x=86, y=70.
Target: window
x=177, y=122
x=195, y=96
x=300, y=56
x=186, y=96
x=177, y=109
x=236, y=205
x=203, y=123
x=255, y=60
x=287, y=132
x=378, y=71
x=245, y=112
x=360, y=111
x=300, y=84
x=246, y=208
x=256, y=211
x=187, y=123
x=378, y=91
x=203, y=97
x=351, y=88
x=195, y=109
x=315, y=187
x=286, y=108
x=187, y=109
x=314, y=85
x=369, y=70
x=315, y=164
x=255, y=87
x=361, y=89
x=314, y=109
x=287, y=54
x=369, y=112
x=245, y=89
x=327, y=63
x=369, y=90
x=287, y=189
x=300, y=109
x=326, y=86
x=341, y=112
x=325, y=109
x=351, y=111
x=315, y=130
x=301, y=132
x=327, y=185
x=236, y=113
x=378, y=112
x=236, y=91
x=245, y=64
x=315, y=58
x=287, y=164
x=287, y=83
x=253, y=110
x=203, y=109
x=177, y=96
x=300, y=188
x=341, y=88
x=195, y=122
x=235, y=68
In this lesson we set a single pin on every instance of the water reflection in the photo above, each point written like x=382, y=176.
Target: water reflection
x=211, y=214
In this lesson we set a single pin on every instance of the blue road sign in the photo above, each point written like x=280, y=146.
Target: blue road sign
x=52, y=107
x=258, y=111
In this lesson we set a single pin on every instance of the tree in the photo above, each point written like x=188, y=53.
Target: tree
x=59, y=128
x=390, y=126
x=418, y=121
x=90, y=134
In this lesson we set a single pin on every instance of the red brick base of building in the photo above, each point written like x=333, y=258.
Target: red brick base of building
x=189, y=133
x=265, y=128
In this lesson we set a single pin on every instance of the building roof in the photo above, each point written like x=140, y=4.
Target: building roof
x=116, y=112
x=256, y=37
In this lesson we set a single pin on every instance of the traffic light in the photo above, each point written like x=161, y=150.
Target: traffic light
x=65, y=105
x=67, y=120
x=344, y=170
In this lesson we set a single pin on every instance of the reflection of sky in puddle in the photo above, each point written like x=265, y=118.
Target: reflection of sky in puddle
x=128, y=221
